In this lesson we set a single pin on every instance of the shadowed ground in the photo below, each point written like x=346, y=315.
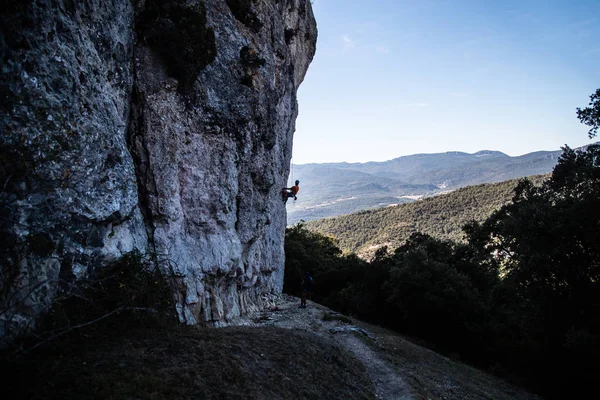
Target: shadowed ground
x=285, y=352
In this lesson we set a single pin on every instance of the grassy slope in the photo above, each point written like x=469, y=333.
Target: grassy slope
x=189, y=363
x=177, y=362
x=433, y=376
x=440, y=216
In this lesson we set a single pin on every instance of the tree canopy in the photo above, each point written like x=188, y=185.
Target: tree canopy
x=520, y=294
x=590, y=116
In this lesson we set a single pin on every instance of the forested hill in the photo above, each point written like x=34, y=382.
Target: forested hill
x=331, y=189
x=441, y=216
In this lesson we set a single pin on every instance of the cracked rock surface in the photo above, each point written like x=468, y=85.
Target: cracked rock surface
x=164, y=127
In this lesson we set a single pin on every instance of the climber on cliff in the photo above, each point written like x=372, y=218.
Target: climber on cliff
x=286, y=193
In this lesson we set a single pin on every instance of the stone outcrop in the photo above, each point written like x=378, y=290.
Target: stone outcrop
x=159, y=126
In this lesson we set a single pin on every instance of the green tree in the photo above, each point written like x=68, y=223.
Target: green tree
x=548, y=236
x=320, y=255
x=591, y=115
x=547, y=242
x=432, y=294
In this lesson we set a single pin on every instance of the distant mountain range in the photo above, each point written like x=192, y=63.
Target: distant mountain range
x=332, y=189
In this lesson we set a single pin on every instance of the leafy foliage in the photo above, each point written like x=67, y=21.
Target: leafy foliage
x=590, y=116
x=519, y=295
x=426, y=287
x=547, y=242
x=131, y=288
x=318, y=254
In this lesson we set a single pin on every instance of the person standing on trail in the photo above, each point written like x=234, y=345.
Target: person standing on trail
x=306, y=288
x=286, y=193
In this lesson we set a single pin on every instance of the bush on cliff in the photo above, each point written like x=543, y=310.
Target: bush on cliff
x=124, y=295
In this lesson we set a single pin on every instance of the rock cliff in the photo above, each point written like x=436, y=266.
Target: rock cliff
x=161, y=126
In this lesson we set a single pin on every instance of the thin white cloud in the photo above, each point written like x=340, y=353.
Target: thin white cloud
x=382, y=49
x=348, y=42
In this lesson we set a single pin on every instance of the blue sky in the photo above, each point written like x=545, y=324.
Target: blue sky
x=399, y=77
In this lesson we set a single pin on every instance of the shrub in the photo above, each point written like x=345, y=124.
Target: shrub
x=128, y=292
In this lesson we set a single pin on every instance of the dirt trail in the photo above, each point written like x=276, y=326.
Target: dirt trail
x=388, y=385
x=287, y=313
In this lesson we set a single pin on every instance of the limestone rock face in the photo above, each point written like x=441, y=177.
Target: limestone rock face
x=161, y=126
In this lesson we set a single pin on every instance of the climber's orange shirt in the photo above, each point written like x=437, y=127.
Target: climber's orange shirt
x=295, y=189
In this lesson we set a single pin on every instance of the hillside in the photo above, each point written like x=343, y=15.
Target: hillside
x=281, y=353
x=333, y=189
x=441, y=216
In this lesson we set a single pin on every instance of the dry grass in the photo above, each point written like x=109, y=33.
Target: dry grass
x=433, y=376
x=333, y=316
x=287, y=361
x=186, y=363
